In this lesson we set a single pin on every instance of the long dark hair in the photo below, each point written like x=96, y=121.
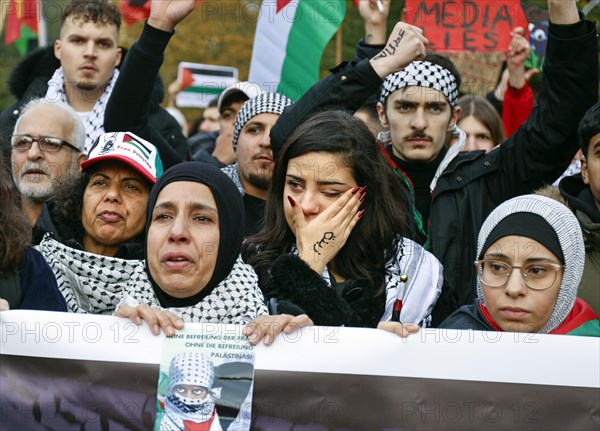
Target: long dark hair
x=15, y=232
x=374, y=239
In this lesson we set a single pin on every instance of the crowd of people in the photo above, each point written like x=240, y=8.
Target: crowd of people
x=382, y=198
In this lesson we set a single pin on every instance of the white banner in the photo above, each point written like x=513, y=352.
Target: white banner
x=318, y=377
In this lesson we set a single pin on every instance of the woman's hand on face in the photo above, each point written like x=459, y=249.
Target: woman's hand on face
x=267, y=327
x=401, y=329
x=155, y=317
x=319, y=240
x=4, y=305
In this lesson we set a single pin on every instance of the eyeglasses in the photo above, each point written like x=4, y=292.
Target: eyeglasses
x=46, y=143
x=535, y=275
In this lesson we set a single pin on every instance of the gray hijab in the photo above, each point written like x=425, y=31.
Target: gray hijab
x=565, y=225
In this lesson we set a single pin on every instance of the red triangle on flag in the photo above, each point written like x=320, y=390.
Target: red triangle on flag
x=186, y=78
x=281, y=4
x=23, y=12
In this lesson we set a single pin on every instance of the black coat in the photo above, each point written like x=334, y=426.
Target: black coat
x=474, y=183
x=29, y=80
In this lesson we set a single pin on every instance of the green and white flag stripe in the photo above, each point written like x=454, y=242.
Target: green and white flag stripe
x=289, y=42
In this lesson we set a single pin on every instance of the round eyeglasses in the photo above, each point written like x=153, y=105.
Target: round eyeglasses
x=46, y=143
x=535, y=275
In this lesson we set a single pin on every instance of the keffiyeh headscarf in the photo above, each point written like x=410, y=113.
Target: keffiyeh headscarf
x=422, y=74
x=94, y=123
x=194, y=369
x=559, y=221
x=273, y=103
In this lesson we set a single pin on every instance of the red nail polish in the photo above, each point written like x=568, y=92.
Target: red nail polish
x=363, y=190
x=292, y=201
x=361, y=212
x=355, y=189
x=363, y=196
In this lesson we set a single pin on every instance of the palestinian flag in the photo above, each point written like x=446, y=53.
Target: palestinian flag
x=289, y=42
x=200, y=83
x=22, y=18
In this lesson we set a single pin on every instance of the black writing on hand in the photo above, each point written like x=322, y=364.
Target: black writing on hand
x=327, y=238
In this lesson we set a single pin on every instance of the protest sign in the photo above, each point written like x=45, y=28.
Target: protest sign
x=72, y=371
x=466, y=25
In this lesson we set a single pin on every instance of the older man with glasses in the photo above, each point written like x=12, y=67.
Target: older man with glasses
x=47, y=144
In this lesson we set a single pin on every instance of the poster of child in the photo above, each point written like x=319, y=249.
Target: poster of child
x=205, y=380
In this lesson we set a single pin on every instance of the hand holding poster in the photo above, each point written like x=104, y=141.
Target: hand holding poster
x=466, y=25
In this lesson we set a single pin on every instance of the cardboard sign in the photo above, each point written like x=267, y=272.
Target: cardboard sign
x=466, y=25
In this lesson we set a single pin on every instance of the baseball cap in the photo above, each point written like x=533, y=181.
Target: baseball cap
x=128, y=148
x=244, y=88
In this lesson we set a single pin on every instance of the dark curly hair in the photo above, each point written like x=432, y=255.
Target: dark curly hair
x=374, y=239
x=68, y=199
x=15, y=232
x=96, y=11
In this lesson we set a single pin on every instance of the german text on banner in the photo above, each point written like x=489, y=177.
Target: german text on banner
x=64, y=371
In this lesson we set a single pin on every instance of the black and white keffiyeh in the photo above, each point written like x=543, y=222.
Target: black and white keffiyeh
x=232, y=172
x=422, y=74
x=192, y=369
x=237, y=299
x=232, y=294
x=415, y=277
x=273, y=103
x=90, y=283
x=94, y=124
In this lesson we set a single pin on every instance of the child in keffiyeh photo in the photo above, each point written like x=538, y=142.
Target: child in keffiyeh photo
x=190, y=403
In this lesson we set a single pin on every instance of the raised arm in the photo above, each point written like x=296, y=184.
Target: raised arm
x=542, y=148
x=518, y=99
x=375, y=24
x=128, y=106
x=352, y=83
x=375, y=20
x=563, y=11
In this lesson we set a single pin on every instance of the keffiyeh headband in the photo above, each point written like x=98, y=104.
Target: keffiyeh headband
x=422, y=74
x=273, y=103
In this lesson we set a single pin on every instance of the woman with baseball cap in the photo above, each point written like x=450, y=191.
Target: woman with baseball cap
x=93, y=229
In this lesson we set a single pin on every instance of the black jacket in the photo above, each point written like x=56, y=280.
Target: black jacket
x=467, y=317
x=29, y=80
x=474, y=183
x=581, y=201
x=294, y=288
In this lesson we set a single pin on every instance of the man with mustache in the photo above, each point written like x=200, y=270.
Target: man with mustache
x=81, y=70
x=46, y=146
x=454, y=192
x=252, y=145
